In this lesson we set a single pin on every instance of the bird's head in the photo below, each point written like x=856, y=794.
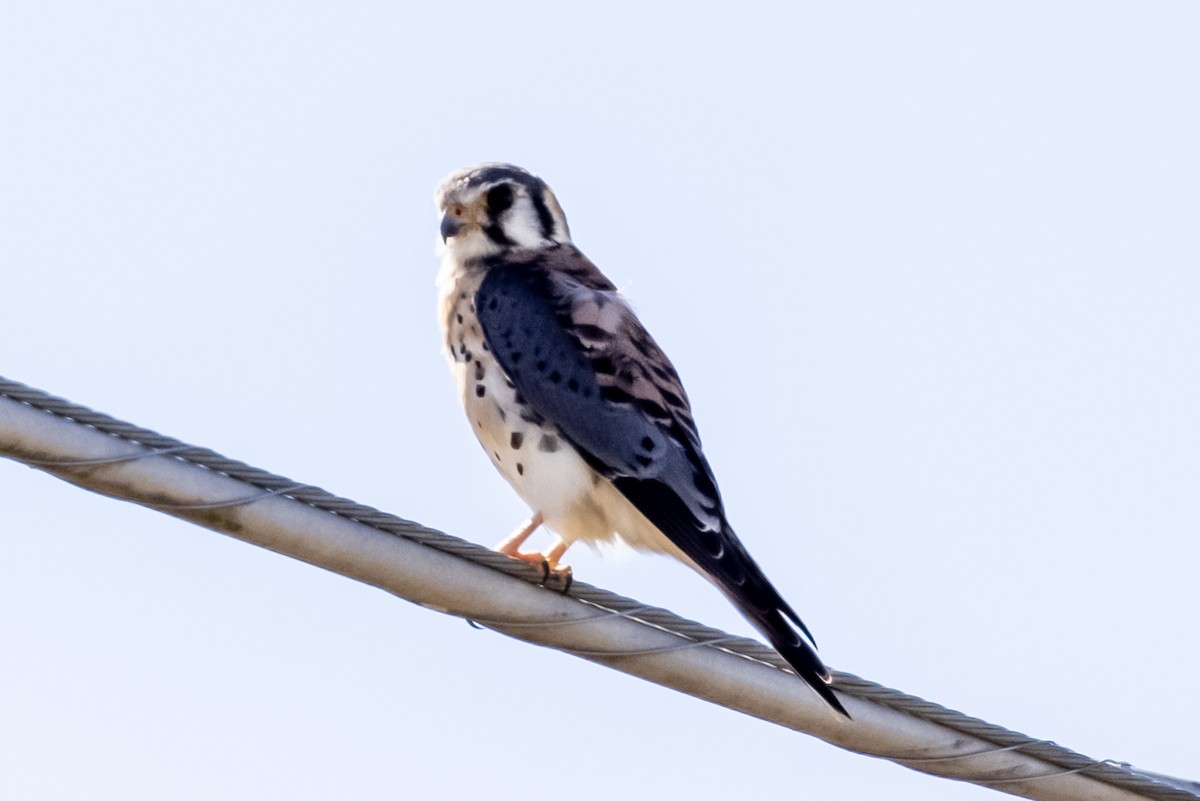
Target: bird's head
x=491, y=208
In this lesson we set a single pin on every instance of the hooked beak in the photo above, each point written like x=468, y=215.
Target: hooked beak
x=450, y=226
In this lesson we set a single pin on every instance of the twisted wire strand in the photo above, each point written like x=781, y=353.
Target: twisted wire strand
x=691, y=633
x=1051, y=775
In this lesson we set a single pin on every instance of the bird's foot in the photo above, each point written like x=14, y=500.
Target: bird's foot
x=558, y=576
x=554, y=575
x=550, y=567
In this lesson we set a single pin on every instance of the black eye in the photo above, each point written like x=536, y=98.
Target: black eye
x=499, y=198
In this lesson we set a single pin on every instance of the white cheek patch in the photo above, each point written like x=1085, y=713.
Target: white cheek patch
x=522, y=225
x=471, y=244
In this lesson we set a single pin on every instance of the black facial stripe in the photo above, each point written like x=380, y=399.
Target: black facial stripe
x=496, y=234
x=538, y=195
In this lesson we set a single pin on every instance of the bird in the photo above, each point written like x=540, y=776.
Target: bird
x=577, y=405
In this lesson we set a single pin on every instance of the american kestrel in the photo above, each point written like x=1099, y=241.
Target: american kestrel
x=577, y=406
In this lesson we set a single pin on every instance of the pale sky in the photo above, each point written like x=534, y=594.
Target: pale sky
x=930, y=273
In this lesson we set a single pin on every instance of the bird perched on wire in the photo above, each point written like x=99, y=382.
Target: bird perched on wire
x=576, y=404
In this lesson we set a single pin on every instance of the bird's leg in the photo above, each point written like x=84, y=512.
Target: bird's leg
x=512, y=545
x=552, y=556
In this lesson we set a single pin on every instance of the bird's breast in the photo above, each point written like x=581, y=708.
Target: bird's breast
x=528, y=450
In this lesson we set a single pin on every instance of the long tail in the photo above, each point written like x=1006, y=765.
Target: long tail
x=758, y=600
x=792, y=647
x=721, y=557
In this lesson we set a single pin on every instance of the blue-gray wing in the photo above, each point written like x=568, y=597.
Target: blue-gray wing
x=581, y=360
